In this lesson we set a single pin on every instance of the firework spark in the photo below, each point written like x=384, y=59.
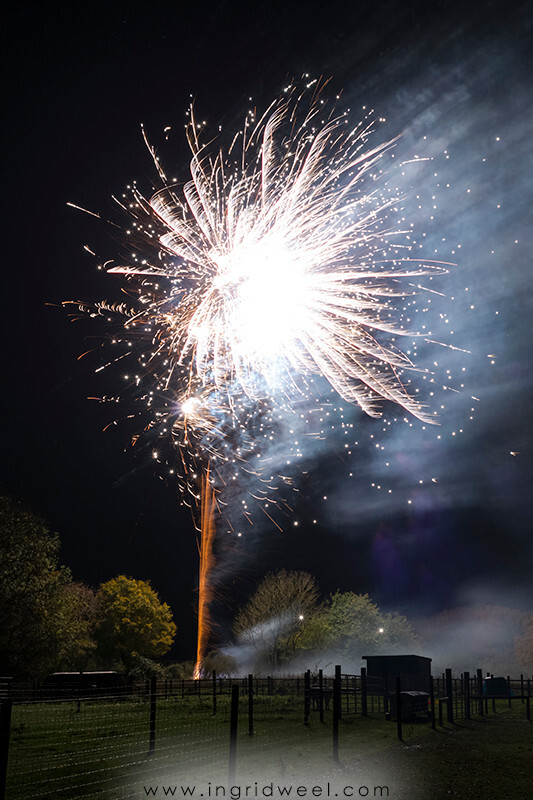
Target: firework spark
x=282, y=263
x=278, y=262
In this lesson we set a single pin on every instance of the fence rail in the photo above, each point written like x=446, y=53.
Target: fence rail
x=86, y=741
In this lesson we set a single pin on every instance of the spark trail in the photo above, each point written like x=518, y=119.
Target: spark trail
x=206, y=561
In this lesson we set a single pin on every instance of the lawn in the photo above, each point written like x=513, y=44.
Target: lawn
x=102, y=751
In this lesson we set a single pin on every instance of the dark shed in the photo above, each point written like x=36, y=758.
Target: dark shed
x=414, y=671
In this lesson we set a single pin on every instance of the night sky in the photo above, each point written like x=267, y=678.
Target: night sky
x=453, y=81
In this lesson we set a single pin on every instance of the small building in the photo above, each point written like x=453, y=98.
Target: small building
x=414, y=671
x=65, y=685
x=496, y=687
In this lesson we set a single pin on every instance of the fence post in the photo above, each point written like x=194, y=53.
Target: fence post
x=338, y=674
x=480, y=691
x=509, y=688
x=307, y=696
x=336, y=711
x=153, y=696
x=233, y=733
x=80, y=691
x=522, y=686
x=321, y=694
x=250, y=704
x=399, y=708
x=449, y=694
x=6, y=704
x=364, y=698
x=214, y=679
x=386, y=702
x=528, y=712
x=467, y=694
x=432, y=701
x=347, y=693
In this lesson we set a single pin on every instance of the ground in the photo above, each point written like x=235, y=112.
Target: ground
x=102, y=751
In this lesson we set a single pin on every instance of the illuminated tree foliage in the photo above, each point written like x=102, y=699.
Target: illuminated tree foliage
x=284, y=619
x=134, y=621
x=349, y=625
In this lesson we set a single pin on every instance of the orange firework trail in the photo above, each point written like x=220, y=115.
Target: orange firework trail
x=207, y=561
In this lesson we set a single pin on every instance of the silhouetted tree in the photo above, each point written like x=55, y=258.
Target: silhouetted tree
x=45, y=619
x=274, y=617
x=524, y=644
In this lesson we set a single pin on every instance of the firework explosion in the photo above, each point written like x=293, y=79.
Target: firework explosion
x=280, y=264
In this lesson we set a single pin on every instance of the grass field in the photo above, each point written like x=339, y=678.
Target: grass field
x=102, y=751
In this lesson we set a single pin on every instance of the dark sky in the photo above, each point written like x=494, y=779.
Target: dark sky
x=79, y=84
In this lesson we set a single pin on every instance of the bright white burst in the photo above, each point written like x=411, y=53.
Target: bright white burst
x=282, y=263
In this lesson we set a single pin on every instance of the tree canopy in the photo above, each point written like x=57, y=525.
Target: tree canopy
x=134, y=622
x=284, y=618
x=49, y=623
x=273, y=619
x=480, y=636
x=524, y=644
x=348, y=624
x=44, y=618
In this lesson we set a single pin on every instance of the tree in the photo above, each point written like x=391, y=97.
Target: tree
x=134, y=622
x=348, y=624
x=482, y=636
x=524, y=644
x=220, y=663
x=273, y=619
x=77, y=614
x=43, y=624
